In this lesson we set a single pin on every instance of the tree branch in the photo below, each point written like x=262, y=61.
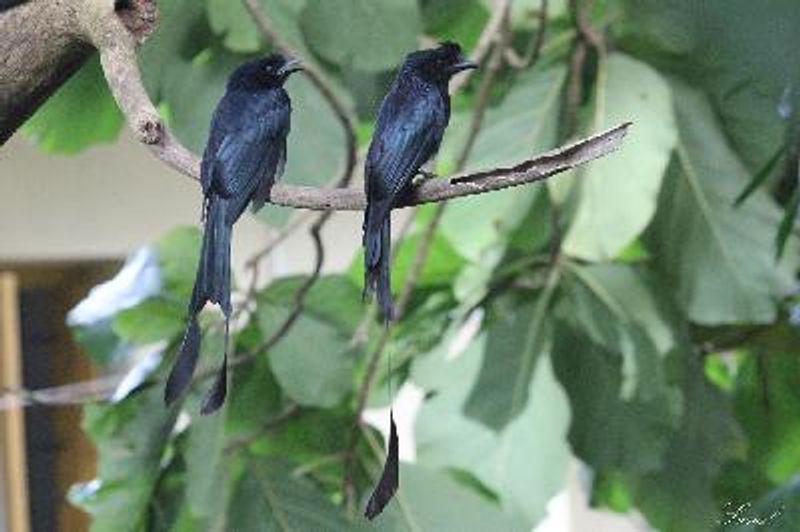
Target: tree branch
x=434, y=190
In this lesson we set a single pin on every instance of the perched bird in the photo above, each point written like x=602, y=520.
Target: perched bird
x=245, y=154
x=411, y=123
x=409, y=130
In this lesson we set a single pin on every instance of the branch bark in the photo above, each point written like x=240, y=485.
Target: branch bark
x=44, y=42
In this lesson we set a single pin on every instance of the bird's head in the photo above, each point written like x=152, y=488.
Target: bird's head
x=438, y=64
x=265, y=72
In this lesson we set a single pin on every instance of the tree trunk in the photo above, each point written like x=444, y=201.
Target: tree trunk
x=44, y=42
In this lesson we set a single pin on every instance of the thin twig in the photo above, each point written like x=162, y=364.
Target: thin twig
x=74, y=393
x=581, y=13
x=289, y=413
x=485, y=41
x=534, y=49
x=484, y=92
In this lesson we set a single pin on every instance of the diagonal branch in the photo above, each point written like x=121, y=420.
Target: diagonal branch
x=434, y=190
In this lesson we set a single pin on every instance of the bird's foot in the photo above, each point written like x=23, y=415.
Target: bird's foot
x=424, y=175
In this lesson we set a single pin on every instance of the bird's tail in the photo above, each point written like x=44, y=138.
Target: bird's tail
x=212, y=284
x=377, y=256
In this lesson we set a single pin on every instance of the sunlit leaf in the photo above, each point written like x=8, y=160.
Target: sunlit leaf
x=81, y=113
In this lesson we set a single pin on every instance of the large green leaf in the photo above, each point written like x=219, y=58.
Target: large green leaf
x=518, y=334
x=718, y=260
x=680, y=497
x=314, y=361
x=613, y=305
x=178, y=256
x=443, y=263
x=617, y=194
x=767, y=401
x=443, y=436
x=360, y=33
x=522, y=125
x=131, y=438
x=525, y=481
x=206, y=469
x=429, y=500
x=454, y=20
x=737, y=51
x=81, y=113
x=269, y=498
x=608, y=431
x=181, y=34
x=151, y=320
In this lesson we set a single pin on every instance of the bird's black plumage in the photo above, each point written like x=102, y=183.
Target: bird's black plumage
x=245, y=154
x=411, y=123
x=409, y=130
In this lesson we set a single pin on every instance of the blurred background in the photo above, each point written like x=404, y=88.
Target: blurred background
x=616, y=349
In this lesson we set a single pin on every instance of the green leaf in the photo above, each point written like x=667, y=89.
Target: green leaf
x=205, y=463
x=360, y=33
x=454, y=20
x=131, y=437
x=268, y=498
x=611, y=491
x=233, y=22
x=526, y=481
x=717, y=259
x=193, y=90
x=151, y=320
x=429, y=500
x=523, y=125
x=182, y=33
x=444, y=437
x=442, y=265
x=761, y=176
x=614, y=306
x=767, y=402
x=680, y=495
x=256, y=385
x=518, y=332
x=608, y=431
x=744, y=69
x=627, y=90
x=314, y=361
x=81, y=113
x=178, y=256
x=788, y=223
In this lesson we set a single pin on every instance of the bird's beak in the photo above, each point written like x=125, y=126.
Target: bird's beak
x=464, y=64
x=292, y=65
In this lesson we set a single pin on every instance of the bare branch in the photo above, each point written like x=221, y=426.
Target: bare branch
x=434, y=190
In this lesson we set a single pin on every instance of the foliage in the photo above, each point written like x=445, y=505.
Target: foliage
x=658, y=345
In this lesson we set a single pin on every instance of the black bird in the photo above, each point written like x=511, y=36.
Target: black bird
x=245, y=154
x=411, y=123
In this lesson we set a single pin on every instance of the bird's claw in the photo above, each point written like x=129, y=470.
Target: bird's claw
x=424, y=175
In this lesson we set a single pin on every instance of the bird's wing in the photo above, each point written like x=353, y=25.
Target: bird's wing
x=249, y=155
x=274, y=168
x=401, y=148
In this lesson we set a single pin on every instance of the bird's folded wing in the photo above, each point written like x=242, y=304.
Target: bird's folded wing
x=404, y=145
